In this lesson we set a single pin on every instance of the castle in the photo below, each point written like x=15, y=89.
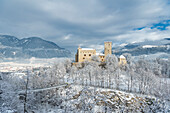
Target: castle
x=85, y=54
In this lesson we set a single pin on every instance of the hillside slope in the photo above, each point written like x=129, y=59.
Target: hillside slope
x=144, y=48
x=12, y=47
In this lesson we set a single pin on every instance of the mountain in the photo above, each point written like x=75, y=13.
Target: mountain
x=144, y=48
x=12, y=47
x=7, y=40
x=35, y=42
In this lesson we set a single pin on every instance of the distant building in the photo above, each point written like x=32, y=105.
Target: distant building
x=122, y=60
x=85, y=54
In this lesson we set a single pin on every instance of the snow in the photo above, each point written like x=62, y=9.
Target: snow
x=154, y=56
x=13, y=65
x=124, y=44
x=134, y=42
x=14, y=53
x=43, y=89
x=96, y=91
x=2, y=46
x=149, y=46
x=9, y=111
x=100, y=54
x=20, y=75
x=121, y=56
x=25, y=41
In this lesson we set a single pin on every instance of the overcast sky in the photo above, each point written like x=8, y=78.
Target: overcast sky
x=88, y=23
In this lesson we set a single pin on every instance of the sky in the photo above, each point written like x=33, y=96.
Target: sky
x=88, y=23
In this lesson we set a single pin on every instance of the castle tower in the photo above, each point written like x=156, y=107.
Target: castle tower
x=107, y=48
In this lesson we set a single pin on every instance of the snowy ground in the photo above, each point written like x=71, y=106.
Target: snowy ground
x=12, y=65
x=154, y=56
x=91, y=99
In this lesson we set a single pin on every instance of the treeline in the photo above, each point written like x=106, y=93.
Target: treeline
x=137, y=76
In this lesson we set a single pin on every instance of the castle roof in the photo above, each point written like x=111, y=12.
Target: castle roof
x=100, y=54
x=121, y=56
x=87, y=49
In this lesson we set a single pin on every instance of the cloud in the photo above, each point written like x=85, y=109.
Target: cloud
x=145, y=34
x=98, y=48
x=67, y=37
x=86, y=22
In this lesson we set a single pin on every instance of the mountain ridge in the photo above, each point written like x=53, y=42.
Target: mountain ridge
x=11, y=46
x=147, y=47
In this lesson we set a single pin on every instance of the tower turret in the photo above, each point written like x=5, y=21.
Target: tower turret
x=107, y=48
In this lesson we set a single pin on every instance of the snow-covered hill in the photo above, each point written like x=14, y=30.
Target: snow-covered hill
x=12, y=47
x=77, y=98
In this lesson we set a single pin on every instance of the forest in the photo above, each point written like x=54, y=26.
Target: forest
x=139, y=86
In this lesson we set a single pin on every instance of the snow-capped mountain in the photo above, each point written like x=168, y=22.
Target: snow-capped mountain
x=35, y=42
x=12, y=47
x=144, y=48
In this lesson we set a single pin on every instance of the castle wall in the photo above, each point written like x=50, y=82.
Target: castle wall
x=85, y=54
x=102, y=58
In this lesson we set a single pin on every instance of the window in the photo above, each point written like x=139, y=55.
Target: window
x=83, y=58
x=84, y=54
x=89, y=54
